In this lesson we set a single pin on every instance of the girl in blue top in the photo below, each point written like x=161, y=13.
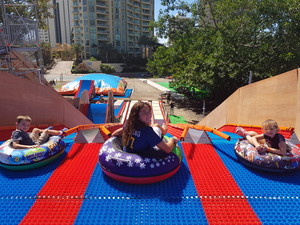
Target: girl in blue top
x=139, y=136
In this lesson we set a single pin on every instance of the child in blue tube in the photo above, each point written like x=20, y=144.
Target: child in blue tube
x=21, y=139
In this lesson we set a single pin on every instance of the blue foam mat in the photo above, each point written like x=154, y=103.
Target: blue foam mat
x=173, y=201
x=19, y=189
x=274, y=197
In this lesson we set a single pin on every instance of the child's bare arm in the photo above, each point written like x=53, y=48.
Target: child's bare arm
x=163, y=128
x=281, y=150
x=257, y=140
x=118, y=132
x=53, y=132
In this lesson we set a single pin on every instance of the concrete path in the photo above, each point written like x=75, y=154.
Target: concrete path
x=153, y=84
x=61, y=72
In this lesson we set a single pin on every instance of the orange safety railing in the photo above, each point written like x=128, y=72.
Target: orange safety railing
x=102, y=127
x=290, y=129
x=186, y=127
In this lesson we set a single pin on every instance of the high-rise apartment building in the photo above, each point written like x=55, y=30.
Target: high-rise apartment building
x=60, y=25
x=44, y=36
x=119, y=23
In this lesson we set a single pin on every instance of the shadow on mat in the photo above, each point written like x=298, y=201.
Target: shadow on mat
x=170, y=190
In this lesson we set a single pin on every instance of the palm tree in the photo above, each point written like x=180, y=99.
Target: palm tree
x=148, y=42
x=77, y=50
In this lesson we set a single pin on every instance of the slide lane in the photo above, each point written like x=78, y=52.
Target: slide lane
x=61, y=197
x=19, y=189
x=127, y=111
x=220, y=195
x=157, y=113
x=268, y=193
x=173, y=201
x=96, y=112
x=85, y=85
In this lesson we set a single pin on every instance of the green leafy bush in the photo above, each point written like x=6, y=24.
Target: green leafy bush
x=93, y=59
x=106, y=68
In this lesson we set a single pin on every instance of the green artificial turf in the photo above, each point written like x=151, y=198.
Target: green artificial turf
x=166, y=85
x=177, y=119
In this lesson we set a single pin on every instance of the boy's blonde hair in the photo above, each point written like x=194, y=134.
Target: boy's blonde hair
x=270, y=124
x=23, y=117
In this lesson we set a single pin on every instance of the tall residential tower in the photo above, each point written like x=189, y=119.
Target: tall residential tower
x=119, y=23
x=60, y=25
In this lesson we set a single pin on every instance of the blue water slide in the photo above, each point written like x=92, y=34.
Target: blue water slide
x=96, y=113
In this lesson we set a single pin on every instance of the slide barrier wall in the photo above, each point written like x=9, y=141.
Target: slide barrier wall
x=20, y=96
x=273, y=98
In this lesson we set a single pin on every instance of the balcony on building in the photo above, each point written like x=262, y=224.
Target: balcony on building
x=101, y=4
x=145, y=29
x=102, y=24
x=130, y=44
x=136, y=4
x=101, y=11
x=102, y=31
x=146, y=18
x=103, y=18
x=103, y=37
x=145, y=6
x=130, y=14
x=146, y=12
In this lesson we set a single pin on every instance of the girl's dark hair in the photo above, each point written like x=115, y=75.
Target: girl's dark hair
x=133, y=123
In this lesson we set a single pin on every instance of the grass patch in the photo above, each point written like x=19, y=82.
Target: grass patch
x=177, y=119
x=166, y=85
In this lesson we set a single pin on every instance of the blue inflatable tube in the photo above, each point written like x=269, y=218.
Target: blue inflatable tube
x=24, y=159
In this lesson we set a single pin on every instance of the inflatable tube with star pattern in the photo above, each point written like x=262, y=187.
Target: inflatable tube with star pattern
x=135, y=169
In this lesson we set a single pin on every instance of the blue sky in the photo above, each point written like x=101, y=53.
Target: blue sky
x=158, y=6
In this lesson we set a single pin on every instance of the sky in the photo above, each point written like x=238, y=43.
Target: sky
x=158, y=6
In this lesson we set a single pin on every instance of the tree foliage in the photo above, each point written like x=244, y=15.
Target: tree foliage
x=107, y=53
x=220, y=42
x=77, y=51
x=26, y=9
x=148, y=42
x=43, y=7
x=107, y=68
x=46, y=53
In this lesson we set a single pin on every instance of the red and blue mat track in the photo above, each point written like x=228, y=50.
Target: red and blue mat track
x=211, y=187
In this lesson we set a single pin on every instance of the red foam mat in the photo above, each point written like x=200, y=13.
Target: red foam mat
x=61, y=197
x=221, y=197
